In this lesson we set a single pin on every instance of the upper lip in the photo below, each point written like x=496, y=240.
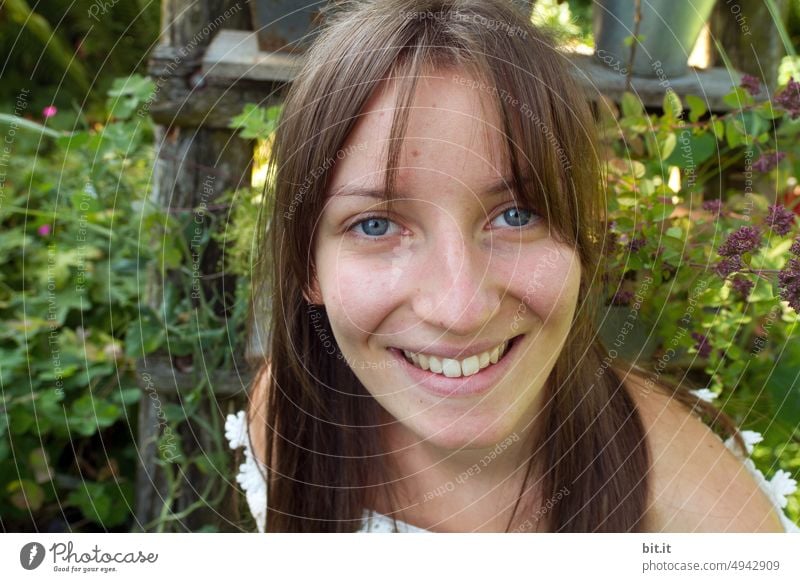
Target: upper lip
x=455, y=352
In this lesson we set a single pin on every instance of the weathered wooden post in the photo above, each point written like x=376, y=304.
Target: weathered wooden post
x=749, y=36
x=198, y=158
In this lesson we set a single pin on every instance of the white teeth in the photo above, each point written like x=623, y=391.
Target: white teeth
x=470, y=366
x=423, y=361
x=451, y=368
x=457, y=368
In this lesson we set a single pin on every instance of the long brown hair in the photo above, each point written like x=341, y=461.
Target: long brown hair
x=323, y=447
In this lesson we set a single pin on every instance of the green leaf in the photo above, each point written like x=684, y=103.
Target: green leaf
x=675, y=232
x=718, y=129
x=40, y=465
x=733, y=133
x=668, y=145
x=783, y=385
x=692, y=150
x=631, y=105
x=738, y=98
x=661, y=211
x=672, y=105
x=256, y=122
x=697, y=107
x=127, y=396
x=127, y=93
x=629, y=40
x=93, y=414
x=22, y=123
x=25, y=495
x=626, y=201
x=102, y=503
x=767, y=111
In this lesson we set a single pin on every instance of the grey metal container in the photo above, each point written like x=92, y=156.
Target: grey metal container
x=290, y=25
x=285, y=25
x=670, y=29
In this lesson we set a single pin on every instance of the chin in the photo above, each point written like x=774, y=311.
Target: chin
x=465, y=430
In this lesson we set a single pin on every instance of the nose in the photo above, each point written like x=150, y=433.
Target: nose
x=457, y=288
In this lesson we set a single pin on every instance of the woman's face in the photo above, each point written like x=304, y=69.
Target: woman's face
x=451, y=275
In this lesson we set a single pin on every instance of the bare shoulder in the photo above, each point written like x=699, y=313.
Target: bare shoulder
x=697, y=484
x=257, y=413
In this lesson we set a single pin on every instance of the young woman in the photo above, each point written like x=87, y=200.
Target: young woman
x=433, y=264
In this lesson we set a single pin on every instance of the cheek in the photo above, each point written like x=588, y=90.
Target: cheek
x=546, y=281
x=358, y=293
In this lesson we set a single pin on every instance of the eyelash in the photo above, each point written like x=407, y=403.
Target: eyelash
x=535, y=218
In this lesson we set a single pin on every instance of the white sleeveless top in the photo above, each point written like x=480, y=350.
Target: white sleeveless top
x=252, y=473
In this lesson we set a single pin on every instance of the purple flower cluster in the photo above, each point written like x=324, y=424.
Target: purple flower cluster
x=612, y=240
x=769, y=161
x=743, y=240
x=729, y=265
x=780, y=219
x=789, y=98
x=636, y=243
x=622, y=297
x=751, y=83
x=789, y=278
x=789, y=283
x=713, y=206
x=701, y=344
x=742, y=286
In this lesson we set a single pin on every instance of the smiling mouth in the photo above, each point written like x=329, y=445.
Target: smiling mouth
x=453, y=368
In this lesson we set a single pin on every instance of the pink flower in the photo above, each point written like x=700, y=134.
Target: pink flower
x=49, y=111
x=44, y=230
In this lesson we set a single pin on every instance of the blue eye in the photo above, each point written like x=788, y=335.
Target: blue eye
x=516, y=217
x=374, y=226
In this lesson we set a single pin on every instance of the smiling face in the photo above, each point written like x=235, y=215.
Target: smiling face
x=470, y=284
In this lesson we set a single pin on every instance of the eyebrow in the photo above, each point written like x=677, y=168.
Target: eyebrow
x=371, y=192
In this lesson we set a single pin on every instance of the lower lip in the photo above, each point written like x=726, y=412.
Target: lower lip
x=477, y=384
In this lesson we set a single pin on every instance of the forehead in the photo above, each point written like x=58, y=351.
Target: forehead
x=453, y=135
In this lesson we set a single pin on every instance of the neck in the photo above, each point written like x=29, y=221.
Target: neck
x=460, y=490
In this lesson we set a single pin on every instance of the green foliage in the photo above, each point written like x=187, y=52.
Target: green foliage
x=732, y=333
x=256, y=122
x=569, y=21
x=68, y=51
x=70, y=286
